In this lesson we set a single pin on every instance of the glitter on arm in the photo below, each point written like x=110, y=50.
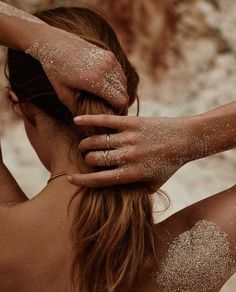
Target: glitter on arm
x=199, y=259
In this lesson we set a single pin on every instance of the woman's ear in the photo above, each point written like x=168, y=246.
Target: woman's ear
x=12, y=96
x=14, y=99
x=26, y=111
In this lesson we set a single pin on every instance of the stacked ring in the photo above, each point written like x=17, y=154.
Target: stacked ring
x=108, y=140
x=105, y=154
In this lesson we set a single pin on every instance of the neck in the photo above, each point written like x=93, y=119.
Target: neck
x=63, y=162
x=63, y=157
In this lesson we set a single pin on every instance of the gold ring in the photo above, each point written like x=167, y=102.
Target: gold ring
x=105, y=153
x=108, y=140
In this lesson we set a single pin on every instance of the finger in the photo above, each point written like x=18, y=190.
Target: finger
x=112, y=70
x=106, y=121
x=104, y=178
x=104, y=158
x=66, y=95
x=116, y=78
x=114, y=94
x=99, y=142
x=100, y=86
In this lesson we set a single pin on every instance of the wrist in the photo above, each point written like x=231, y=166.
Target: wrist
x=214, y=131
x=17, y=33
x=197, y=137
x=37, y=31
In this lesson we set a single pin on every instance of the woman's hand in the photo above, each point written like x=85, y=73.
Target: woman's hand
x=143, y=149
x=73, y=64
x=153, y=149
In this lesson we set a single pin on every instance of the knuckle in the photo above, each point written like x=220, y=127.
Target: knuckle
x=125, y=155
x=94, y=78
x=123, y=101
x=89, y=159
x=104, y=66
x=107, y=118
x=139, y=175
x=92, y=142
x=104, y=118
x=135, y=123
x=111, y=57
x=133, y=138
x=134, y=175
x=129, y=155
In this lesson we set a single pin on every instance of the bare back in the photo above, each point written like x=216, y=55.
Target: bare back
x=196, y=246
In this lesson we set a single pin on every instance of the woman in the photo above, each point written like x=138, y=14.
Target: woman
x=115, y=245
x=100, y=260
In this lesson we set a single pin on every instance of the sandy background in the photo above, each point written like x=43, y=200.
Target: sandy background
x=185, y=52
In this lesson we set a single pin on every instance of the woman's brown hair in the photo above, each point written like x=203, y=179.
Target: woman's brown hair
x=113, y=228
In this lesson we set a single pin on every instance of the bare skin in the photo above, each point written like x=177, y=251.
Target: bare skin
x=36, y=247
x=165, y=143
x=21, y=34
x=35, y=234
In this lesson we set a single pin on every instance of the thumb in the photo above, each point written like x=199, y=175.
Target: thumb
x=66, y=95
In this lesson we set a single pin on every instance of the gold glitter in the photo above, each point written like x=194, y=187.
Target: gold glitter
x=223, y=129
x=113, y=158
x=17, y=13
x=157, y=165
x=71, y=56
x=121, y=172
x=198, y=260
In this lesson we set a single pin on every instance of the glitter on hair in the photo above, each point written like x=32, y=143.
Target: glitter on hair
x=199, y=259
x=17, y=13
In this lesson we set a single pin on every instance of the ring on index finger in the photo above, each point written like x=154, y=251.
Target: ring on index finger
x=108, y=141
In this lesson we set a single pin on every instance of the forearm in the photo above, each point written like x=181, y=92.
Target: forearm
x=19, y=29
x=215, y=131
x=10, y=192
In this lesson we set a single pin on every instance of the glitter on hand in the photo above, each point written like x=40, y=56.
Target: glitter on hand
x=68, y=56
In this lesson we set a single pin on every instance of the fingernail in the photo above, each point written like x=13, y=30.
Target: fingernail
x=79, y=147
x=70, y=179
x=77, y=119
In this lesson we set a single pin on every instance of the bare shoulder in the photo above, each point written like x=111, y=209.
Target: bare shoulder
x=216, y=214
x=220, y=209
x=199, y=245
